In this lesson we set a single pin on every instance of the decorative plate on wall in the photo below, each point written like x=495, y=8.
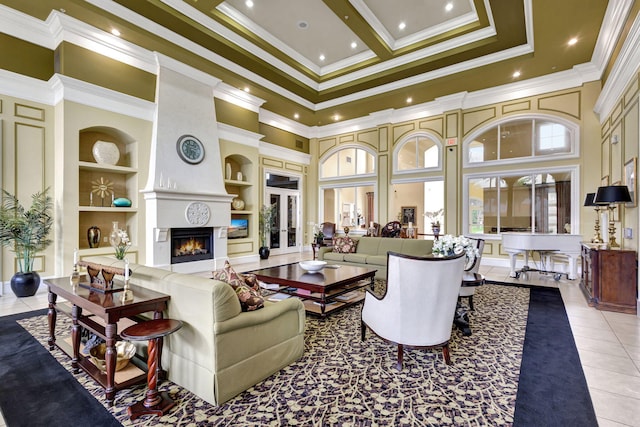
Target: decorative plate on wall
x=190, y=149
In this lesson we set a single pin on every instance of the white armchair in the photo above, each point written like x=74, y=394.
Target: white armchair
x=418, y=307
x=469, y=291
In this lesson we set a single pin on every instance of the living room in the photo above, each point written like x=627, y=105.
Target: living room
x=62, y=96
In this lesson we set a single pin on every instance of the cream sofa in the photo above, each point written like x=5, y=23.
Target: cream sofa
x=220, y=351
x=372, y=252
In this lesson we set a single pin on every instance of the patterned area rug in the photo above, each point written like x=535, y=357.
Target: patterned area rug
x=341, y=380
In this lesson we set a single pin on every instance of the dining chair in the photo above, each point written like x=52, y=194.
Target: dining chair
x=419, y=304
x=473, y=267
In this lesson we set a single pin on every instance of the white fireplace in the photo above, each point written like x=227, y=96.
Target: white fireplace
x=180, y=193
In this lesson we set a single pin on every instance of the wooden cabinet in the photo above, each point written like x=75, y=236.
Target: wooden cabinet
x=609, y=278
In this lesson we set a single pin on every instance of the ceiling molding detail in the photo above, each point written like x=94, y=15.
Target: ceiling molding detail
x=624, y=70
x=238, y=135
x=286, y=154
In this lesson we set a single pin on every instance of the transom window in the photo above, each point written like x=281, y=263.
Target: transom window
x=417, y=152
x=349, y=161
x=521, y=138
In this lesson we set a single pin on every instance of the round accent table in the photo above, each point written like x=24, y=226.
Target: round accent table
x=154, y=403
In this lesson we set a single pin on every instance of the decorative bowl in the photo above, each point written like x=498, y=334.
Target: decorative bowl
x=122, y=202
x=124, y=352
x=312, y=266
x=106, y=152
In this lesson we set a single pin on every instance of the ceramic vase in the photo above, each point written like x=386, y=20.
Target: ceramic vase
x=227, y=171
x=106, y=152
x=93, y=236
x=25, y=284
x=237, y=204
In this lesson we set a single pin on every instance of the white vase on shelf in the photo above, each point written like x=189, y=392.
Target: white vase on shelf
x=227, y=171
x=106, y=152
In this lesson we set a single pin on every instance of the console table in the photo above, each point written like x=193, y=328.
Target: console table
x=609, y=278
x=109, y=308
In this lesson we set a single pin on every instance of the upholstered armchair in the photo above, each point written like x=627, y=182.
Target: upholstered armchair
x=392, y=229
x=468, y=292
x=419, y=304
x=328, y=230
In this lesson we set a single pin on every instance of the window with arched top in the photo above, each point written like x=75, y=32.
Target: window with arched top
x=522, y=138
x=348, y=161
x=417, y=152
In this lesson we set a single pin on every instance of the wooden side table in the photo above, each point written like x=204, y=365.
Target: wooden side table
x=154, y=403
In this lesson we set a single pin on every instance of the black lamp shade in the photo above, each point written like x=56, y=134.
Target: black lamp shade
x=589, y=200
x=612, y=194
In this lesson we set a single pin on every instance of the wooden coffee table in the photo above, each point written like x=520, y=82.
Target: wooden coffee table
x=324, y=292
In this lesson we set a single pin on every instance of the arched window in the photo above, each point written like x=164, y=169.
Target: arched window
x=349, y=161
x=417, y=152
x=522, y=138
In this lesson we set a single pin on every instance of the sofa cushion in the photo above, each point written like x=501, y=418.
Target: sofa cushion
x=389, y=244
x=250, y=299
x=333, y=256
x=377, y=260
x=417, y=247
x=344, y=245
x=358, y=257
x=368, y=245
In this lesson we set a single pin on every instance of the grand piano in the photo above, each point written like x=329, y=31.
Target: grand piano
x=523, y=243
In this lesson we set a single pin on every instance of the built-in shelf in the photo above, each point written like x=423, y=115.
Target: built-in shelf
x=106, y=209
x=238, y=183
x=97, y=167
x=241, y=212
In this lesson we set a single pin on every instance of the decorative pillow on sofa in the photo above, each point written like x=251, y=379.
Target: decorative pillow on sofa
x=250, y=298
x=344, y=245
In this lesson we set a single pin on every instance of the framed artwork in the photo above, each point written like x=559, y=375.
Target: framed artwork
x=408, y=214
x=630, y=170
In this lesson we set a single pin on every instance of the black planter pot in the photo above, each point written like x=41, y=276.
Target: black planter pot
x=25, y=284
x=264, y=252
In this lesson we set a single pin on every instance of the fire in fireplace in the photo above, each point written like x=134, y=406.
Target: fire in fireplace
x=191, y=244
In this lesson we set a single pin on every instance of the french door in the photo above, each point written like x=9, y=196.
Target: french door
x=285, y=229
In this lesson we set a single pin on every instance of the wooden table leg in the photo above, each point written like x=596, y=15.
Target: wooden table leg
x=110, y=359
x=52, y=316
x=76, y=312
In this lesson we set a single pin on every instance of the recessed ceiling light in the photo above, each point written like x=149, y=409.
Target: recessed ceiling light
x=448, y=7
x=322, y=58
x=115, y=32
x=336, y=118
x=516, y=74
x=402, y=26
x=409, y=100
x=246, y=89
x=572, y=41
x=249, y=4
x=354, y=45
x=303, y=25
x=296, y=116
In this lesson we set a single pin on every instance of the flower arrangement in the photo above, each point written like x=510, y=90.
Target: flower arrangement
x=449, y=245
x=318, y=235
x=434, y=217
x=121, y=243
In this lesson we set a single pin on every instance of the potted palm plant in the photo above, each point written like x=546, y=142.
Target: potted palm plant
x=26, y=233
x=265, y=221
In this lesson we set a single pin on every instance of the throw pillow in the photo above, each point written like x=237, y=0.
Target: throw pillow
x=250, y=298
x=344, y=245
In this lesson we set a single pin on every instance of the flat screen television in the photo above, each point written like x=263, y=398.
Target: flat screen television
x=238, y=229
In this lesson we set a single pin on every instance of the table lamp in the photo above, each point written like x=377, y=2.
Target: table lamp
x=610, y=196
x=589, y=201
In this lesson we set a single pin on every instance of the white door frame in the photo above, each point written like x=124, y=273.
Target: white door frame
x=285, y=192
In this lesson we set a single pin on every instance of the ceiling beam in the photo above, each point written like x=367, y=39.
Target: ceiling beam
x=352, y=19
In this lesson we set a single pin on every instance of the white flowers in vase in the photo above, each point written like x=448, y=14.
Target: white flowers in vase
x=449, y=245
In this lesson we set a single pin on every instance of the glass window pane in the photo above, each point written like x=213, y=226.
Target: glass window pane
x=347, y=162
x=552, y=138
x=476, y=205
x=407, y=156
x=516, y=139
x=489, y=142
x=516, y=199
x=329, y=167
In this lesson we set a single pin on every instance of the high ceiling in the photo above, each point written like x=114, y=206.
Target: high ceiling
x=339, y=59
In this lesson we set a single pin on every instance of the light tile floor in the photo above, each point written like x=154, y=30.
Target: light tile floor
x=608, y=342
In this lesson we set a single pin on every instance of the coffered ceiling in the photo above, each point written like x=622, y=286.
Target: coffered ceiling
x=321, y=61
